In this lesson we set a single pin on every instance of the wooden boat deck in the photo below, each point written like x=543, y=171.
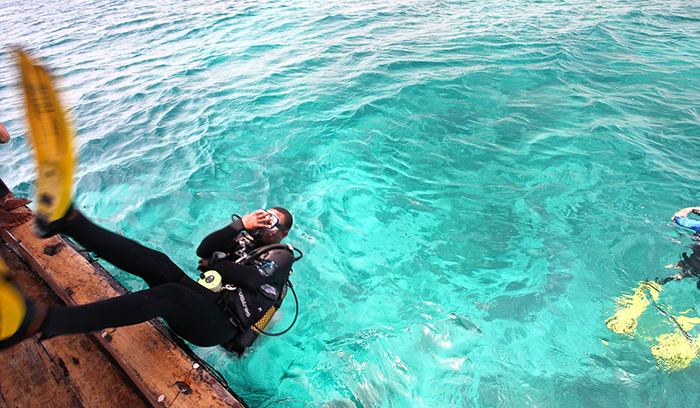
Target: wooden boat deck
x=136, y=366
x=70, y=371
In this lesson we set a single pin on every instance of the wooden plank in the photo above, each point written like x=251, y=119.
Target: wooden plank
x=85, y=367
x=95, y=384
x=30, y=379
x=163, y=370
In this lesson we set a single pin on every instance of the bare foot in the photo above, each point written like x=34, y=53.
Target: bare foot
x=11, y=203
x=8, y=219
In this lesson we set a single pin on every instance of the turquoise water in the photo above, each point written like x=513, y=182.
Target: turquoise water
x=473, y=182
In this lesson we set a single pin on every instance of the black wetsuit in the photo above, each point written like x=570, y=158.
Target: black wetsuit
x=192, y=311
x=689, y=265
x=3, y=189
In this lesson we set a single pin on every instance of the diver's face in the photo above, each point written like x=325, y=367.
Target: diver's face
x=276, y=233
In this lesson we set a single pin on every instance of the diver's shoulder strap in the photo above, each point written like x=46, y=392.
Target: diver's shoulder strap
x=267, y=248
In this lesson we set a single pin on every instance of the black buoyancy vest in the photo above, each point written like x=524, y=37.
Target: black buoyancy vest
x=252, y=308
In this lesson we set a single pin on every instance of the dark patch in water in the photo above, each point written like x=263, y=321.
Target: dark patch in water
x=517, y=308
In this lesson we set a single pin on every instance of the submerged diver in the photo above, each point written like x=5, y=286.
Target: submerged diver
x=197, y=314
x=689, y=265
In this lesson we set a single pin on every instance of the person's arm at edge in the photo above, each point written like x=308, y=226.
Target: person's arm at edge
x=680, y=217
x=685, y=211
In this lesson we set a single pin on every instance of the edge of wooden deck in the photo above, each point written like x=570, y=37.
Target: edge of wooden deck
x=160, y=364
x=66, y=371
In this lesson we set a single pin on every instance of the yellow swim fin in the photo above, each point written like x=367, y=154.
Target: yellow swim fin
x=13, y=308
x=629, y=308
x=51, y=137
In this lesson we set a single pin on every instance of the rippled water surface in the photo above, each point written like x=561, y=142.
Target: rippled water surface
x=473, y=183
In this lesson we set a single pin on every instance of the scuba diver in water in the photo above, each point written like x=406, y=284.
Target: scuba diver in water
x=689, y=265
x=246, y=257
x=245, y=267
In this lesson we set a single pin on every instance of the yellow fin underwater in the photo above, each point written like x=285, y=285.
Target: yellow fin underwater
x=629, y=308
x=675, y=350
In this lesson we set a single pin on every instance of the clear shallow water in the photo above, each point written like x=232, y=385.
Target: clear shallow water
x=472, y=184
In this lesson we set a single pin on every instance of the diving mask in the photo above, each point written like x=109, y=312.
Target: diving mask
x=276, y=224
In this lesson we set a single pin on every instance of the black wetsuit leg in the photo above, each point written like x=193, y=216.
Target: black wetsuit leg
x=3, y=189
x=193, y=317
x=191, y=310
x=152, y=266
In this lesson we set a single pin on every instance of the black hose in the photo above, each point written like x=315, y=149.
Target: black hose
x=673, y=319
x=296, y=300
